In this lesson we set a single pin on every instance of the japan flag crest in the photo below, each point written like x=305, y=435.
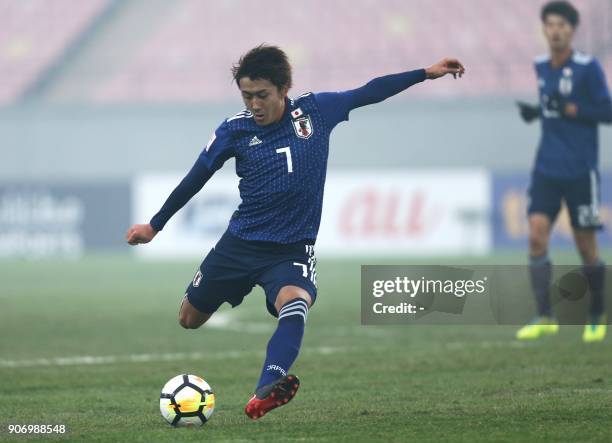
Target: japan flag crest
x=303, y=126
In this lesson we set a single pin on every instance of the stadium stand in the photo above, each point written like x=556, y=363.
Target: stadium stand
x=34, y=35
x=182, y=51
x=373, y=37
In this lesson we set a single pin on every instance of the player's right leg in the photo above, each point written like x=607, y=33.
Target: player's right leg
x=190, y=317
x=545, y=203
x=582, y=197
x=222, y=277
x=594, y=271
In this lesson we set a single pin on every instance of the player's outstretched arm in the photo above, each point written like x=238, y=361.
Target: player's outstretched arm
x=138, y=234
x=445, y=66
x=218, y=150
x=335, y=106
x=187, y=188
x=381, y=88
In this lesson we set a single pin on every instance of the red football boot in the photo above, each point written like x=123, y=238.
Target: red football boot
x=272, y=396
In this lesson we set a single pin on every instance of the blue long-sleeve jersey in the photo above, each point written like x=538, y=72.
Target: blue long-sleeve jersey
x=281, y=166
x=569, y=147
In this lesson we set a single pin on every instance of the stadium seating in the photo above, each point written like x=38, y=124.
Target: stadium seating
x=34, y=34
x=340, y=44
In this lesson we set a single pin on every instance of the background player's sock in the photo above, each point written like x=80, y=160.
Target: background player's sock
x=284, y=346
x=540, y=271
x=595, y=275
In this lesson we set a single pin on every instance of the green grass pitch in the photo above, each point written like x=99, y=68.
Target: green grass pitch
x=359, y=383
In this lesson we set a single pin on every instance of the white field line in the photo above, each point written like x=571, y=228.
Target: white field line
x=84, y=360
x=227, y=321
x=81, y=360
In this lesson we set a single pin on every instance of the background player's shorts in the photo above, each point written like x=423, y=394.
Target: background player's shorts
x=234, y=266
x=581, y=196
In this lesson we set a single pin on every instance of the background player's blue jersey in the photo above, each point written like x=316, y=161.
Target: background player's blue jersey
x=569, y=146
x=281, y=166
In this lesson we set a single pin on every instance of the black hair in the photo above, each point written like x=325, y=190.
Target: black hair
x=562, y=8
x=264, y=62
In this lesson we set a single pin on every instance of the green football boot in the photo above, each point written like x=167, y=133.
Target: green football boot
x=538, y=328
x=596, y=330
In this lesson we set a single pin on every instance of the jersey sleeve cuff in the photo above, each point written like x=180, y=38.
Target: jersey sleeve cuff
x=156, y=225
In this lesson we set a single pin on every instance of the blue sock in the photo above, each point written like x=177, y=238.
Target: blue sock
x=540, y=270
x=595, y=275
x=284, y=346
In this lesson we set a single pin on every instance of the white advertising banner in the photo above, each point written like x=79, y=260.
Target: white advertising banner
x=406, y=212
x=196, y=228
x=365, y=213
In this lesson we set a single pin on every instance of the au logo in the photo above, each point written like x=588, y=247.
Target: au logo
x=303, y=126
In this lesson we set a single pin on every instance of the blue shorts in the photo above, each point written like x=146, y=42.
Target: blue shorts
x=234, y=266
x=581, y=196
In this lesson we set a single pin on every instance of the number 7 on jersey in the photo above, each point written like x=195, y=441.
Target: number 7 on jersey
x=287, y=152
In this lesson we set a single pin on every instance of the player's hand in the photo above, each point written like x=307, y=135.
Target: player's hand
x=558, y=103
x=138, y=234
x=570, y=110
x=528, y=112
x=445, y=66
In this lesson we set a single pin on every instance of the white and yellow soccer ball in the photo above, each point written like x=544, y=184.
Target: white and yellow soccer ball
x=187, y=400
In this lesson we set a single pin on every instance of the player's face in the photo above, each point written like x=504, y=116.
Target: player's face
x=263, y=99
x=558, y=32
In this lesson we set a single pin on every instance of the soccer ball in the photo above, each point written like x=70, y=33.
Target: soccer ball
x=187, y=400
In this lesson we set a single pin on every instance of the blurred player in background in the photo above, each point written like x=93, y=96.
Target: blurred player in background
x=574, y=99
x=281, y=147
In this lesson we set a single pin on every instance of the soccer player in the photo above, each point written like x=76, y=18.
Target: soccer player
x=280, y=146
x=574, y=99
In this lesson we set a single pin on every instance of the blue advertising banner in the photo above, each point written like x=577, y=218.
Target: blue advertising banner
x=509, y=213
x=62, y=219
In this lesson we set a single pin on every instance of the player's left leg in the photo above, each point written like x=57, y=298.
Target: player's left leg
x=582, y=197
x=290, y=291
x=292, y=304
x=276, y=386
